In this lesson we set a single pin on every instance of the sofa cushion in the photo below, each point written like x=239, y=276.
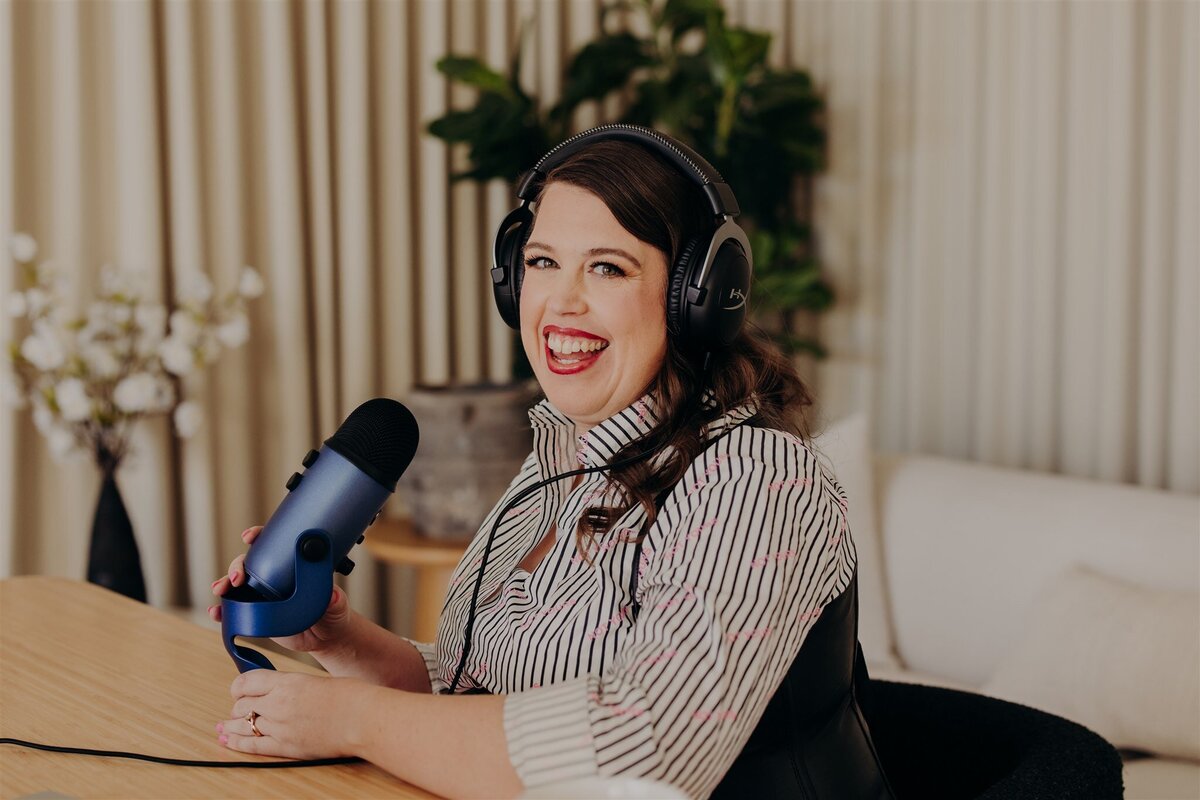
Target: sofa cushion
x=1161, y=779
x=846, y=446
x=967, y=548
x=1121, y=659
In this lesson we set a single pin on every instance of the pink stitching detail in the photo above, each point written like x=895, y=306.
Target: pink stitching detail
x=777, y=485
x=615, y=619
x=782, y=555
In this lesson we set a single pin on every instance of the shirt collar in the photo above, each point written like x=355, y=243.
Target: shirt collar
x=598, y=445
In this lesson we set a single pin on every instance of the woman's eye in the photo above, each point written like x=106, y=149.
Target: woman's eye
x=538, y=262
x=606, y=270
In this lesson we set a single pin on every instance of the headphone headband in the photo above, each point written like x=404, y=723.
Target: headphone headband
x=720, y=196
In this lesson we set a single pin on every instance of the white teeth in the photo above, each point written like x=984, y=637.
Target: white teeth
x=566, y=345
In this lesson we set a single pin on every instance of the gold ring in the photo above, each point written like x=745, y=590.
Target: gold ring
x=251, y=717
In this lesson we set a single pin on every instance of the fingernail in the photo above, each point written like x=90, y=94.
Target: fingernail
x=220, y=728
x=233, y=575
x=218, y=580
x=222, y=738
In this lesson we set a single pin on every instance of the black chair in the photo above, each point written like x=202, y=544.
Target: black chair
x=941, y=743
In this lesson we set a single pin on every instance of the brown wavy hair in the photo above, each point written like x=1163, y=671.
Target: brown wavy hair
x=664, y=208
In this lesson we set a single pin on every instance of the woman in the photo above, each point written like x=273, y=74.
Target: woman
x=637, y=616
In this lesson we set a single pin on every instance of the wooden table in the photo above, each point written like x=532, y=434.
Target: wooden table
x=81, y=666
x=397, y=541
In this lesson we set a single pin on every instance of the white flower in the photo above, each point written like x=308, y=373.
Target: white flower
x=196, y=289
x=127, y=284
x=187, y=419
x=100, y=359
x=250, y=284
x=23, y=247
x=43, y=350
x=17, y=305
x=43, y=417
x=37, y=300
x=177, y=356
x=119, y=313
x=73, y=401
x=235, y=331
x=98, y=322
x=152, y=319
x=136, y=393
x=62, y=441
x=184, y=325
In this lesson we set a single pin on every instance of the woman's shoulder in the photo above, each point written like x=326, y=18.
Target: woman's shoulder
x=762, y=450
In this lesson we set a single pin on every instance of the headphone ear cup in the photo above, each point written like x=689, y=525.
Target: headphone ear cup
x=677, y=315
x=717, y=321
x=508, y=268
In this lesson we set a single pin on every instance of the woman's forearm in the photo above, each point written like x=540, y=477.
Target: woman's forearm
x=451, y=745
x=376, y=655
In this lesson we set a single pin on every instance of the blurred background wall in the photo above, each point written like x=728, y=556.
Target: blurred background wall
x=1008, y=218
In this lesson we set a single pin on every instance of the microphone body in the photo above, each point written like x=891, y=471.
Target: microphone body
x=334, y=496
x=290, y=565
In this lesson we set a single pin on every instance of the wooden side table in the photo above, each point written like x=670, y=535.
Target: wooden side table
x=397, y=541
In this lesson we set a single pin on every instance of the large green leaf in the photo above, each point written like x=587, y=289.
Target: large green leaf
x=682, y=16
x=473, y=72
x=736, y=52
x=600, y=68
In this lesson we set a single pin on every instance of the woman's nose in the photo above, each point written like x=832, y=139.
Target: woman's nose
x=567, y=296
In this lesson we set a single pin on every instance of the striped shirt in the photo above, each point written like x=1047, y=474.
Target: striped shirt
x=747, y=549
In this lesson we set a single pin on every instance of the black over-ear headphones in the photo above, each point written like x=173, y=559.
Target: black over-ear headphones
x=710, y=280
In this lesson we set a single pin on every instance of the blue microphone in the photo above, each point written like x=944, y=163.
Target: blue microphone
x=290, y=565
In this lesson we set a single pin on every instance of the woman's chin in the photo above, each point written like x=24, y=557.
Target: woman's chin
x=576, y=396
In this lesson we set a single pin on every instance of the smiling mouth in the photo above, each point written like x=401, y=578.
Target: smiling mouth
x=567, y=354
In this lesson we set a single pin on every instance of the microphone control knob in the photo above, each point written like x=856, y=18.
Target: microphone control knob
x=310, y=458
x=313, y=549
x=345, y=566
x=294, y=481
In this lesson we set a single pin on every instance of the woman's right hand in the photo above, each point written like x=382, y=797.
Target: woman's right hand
x=329, y=631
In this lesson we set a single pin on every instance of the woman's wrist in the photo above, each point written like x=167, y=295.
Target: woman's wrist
x=357, y=719
x=342, y=649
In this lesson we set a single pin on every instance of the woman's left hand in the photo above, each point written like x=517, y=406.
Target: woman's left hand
x=299, y=716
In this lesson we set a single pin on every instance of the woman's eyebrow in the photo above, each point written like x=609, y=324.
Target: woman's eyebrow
x=614, y=251
x=595, y=251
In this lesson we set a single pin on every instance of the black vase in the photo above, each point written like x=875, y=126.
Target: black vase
x=113, y=561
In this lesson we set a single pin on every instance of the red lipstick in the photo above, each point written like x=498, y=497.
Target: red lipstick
x=575, y=362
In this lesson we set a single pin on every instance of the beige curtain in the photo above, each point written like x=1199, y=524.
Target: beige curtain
x=1010, y=219
x=182, y=136
x=1008, y=216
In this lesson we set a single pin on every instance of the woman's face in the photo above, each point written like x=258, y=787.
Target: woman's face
x=593, y=322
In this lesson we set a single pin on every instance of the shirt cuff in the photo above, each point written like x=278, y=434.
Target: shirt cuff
x=548, y=733
x=429, y=654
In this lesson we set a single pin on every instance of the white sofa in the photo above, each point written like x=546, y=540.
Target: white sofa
x=1073, y=596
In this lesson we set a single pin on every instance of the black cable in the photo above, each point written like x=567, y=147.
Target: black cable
x=487, y=549
x=183, y=762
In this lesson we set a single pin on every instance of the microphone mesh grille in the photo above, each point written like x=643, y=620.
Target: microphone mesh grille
x=380, y=436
